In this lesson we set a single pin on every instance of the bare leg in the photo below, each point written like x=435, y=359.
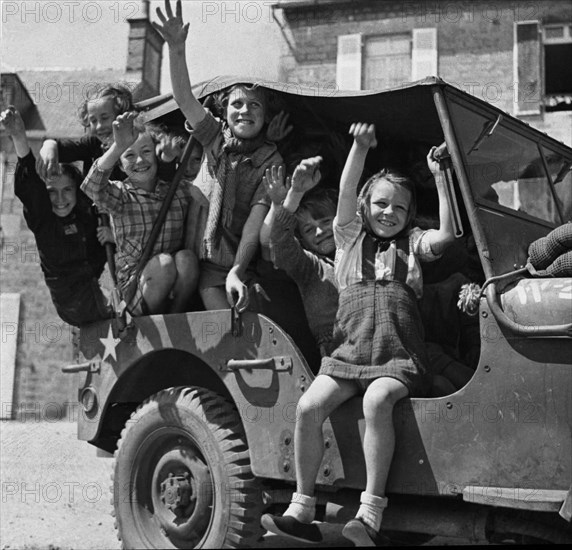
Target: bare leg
x=156, y=281
x=324, y=395
x=187, y=266
x=379, y=436
x=214, y=297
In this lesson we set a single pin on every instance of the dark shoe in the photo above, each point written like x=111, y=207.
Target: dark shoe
x=363, y=535
x=290, y=527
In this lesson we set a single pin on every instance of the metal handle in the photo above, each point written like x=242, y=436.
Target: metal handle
x=88, y=366
x=280, y=363
x=442, y=155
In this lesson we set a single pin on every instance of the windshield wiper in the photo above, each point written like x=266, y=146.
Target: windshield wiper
x=487, y=131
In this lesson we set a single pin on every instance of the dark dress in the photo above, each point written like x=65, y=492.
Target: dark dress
x=71, y=257
x=378, y=330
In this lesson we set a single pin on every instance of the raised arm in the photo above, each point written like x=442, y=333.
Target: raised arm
x=364, y=139
x=11, y=120
x=96, y=185
x=439, y=239
x=175, y=32
x=305, y=177
x=123, y=137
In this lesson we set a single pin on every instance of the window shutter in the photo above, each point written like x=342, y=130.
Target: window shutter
x=424, y=53
x=348, y=64
x=527, y=79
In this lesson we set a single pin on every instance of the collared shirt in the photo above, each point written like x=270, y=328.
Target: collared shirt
x=349, y=249
x=133, y=212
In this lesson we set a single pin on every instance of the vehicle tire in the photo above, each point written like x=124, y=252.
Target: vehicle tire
x=182, y=476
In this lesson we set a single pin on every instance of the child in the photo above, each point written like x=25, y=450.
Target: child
x=64, y=223
x=169, y=278
x=237, y=155
x=97, y=114
x=380, y=348
x=309, y=259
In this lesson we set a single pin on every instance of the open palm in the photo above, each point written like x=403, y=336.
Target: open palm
x=172, y=28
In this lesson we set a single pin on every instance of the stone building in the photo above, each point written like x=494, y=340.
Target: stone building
x=515, y=55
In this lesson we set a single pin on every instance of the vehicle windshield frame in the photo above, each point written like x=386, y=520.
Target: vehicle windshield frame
x=522, y=227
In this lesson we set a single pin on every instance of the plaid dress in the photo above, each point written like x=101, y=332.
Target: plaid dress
x=133, y=212
x=378, y=330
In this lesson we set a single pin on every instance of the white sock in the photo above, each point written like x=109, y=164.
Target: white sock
x=371, y=510
x=302, y=508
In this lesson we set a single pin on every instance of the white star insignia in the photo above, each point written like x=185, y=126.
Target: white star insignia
x=110, y=344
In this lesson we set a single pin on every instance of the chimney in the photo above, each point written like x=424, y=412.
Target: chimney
x=145, y=54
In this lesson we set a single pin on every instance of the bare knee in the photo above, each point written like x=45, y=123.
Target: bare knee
x=187, y=266
x=381, y=397
x=160, y=270
x=187, y=263
x=309, y=410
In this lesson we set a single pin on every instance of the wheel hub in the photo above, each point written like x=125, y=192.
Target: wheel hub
x=182, y=494
x=176, y=491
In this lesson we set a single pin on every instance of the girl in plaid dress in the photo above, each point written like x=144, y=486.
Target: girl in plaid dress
x=169, y=278
x=378, y=337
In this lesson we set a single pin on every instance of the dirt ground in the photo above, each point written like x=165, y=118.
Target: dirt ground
x=55, y=492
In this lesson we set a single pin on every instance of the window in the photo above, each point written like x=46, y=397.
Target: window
x=543, y=72
x=385, y=61
x=557, y=41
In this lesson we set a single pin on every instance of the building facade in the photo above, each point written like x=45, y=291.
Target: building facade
x=513, y=54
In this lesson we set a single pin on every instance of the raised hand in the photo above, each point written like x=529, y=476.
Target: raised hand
x=432, y=163
x=12, y=122
x=123, y=132
x=306, y=175
x=275, y=185
x=48, y=161
x=172, y=28
x=278, y=129
x=364, y=134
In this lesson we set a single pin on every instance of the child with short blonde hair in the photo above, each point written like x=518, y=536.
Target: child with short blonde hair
x=378, y=337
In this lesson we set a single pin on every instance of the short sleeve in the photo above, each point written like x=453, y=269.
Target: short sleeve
x=260, y=196
x=419, y=245
x=346, y=235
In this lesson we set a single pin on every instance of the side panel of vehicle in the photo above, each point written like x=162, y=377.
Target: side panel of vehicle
x=509, y=427
x=195, y=349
